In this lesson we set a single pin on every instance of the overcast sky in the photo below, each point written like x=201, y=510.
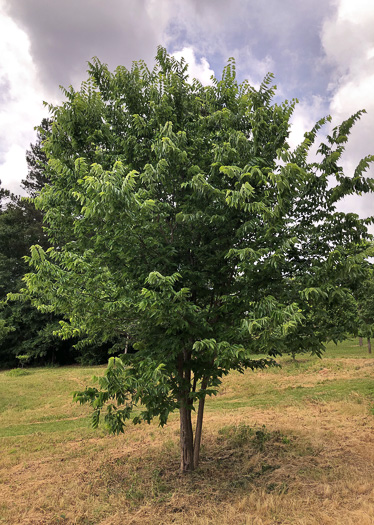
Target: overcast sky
x=321, y=52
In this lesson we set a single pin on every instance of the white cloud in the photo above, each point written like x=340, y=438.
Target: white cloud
x=252, y=68
x=200, y=70
x=305, y=116
x=21, y=105
x=14, y=168
x=348, y=41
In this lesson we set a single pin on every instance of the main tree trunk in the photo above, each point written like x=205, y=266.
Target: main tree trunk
x=189, y=447
x=186, y=440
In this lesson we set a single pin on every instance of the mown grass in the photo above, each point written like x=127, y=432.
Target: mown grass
x=290, y=445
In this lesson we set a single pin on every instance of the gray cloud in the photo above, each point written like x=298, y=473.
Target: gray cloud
x=65, y=35
x=348, y=42
x=283, y=35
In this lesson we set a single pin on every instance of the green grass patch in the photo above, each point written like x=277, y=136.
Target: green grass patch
x=39, y=400
x=48, y=427
x=349, y=348
x=271, y=395
x=17, y=372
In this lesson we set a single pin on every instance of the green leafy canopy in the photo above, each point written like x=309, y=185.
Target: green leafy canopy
x=180, y=219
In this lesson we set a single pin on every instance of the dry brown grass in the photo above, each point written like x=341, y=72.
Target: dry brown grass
x=312, y=463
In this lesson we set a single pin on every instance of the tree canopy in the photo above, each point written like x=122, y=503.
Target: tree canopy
x=179, y=219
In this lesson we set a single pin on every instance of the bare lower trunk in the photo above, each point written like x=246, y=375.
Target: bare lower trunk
x=199, y=427
x=190, y=448
x=186, y=440
x=369, y=345
x=360, y=342
x=185, y=409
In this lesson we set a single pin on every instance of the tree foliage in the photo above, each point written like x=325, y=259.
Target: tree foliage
x=37, y=162
x=24, y=330
x=179, y=217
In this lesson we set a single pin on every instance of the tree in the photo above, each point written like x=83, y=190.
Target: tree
x=24, y=330
x=37, y=162
x=364, y=295
x=179, y=217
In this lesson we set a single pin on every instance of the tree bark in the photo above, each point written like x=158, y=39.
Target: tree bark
x=369, y=345
x=360, y=342
x=186, y=439
x=127, y=344
x=199, y=426
x=185, y=409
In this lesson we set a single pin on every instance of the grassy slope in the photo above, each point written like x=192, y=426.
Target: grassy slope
x=289, y=445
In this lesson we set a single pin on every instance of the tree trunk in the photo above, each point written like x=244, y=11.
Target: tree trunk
x=369, y=345
x=360, y=342
x=186, y=439
x=185, y=409
x=199, y=427
x=127, y=344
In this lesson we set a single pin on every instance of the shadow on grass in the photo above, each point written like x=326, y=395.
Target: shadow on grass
x=239, y=459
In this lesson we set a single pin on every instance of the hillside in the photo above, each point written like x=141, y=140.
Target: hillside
x=292, y=445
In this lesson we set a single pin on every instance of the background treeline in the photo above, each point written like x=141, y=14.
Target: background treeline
x=23, y=329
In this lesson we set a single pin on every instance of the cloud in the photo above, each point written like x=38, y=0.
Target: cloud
x=65, y=35
x=21, y=106
x=13, y=165
x=200, y=70
x=305, y=116
x=282, y=37
x=44, y=44
x=348, y=42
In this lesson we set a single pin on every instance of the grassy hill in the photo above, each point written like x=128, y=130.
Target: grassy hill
x=292, y=445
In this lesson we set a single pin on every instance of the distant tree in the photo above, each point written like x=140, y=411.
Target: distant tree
x=4, y=195
x=37, y=162
x=178, y=216
x=23, y=329
x=365, y=308
x=21, y=224
x=22, y=325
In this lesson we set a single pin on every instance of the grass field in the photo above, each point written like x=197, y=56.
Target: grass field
x=292, y=445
